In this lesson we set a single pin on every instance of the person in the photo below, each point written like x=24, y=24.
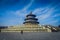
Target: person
x=0, y=30
x=21, y=31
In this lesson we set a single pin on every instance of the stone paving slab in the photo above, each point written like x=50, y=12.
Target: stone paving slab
x=29, y=36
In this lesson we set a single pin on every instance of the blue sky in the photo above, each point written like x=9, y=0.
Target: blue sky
x=13, y=12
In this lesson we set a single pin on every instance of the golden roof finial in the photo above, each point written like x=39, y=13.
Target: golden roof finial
x=31, y=12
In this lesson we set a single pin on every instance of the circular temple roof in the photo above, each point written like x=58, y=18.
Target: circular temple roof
x=31, y=22
x=31, y=14
x=31, y=18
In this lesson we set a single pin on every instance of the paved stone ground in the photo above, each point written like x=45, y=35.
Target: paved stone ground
x=29, y=36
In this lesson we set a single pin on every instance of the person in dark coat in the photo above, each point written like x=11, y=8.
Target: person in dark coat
x=21, y=31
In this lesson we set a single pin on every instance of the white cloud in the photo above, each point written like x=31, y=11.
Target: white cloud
x=42, y=13
x=23, y=11
x=53, y=22
x=56, y=15
x=26, y=7
x=19, y=13
x=45, y=14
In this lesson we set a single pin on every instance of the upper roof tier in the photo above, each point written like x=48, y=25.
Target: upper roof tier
x=31, y=14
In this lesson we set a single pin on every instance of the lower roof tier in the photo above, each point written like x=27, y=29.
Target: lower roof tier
x=31, y=22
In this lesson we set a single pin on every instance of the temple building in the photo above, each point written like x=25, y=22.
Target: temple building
x=30, y=24
x=30, y=19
